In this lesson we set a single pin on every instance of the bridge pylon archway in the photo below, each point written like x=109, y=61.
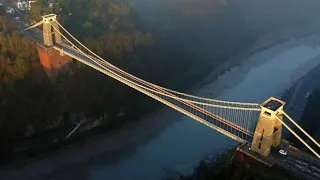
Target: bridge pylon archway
x=269, y=129
x=48, y=38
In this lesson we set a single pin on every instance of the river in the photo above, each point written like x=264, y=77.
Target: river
x=276, y=60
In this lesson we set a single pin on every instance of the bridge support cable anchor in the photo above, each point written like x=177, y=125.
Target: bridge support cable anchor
x=298, y=137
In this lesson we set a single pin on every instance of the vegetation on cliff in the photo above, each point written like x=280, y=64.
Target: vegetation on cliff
x=17, y=52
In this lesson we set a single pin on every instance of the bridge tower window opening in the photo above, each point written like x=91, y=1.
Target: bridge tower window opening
x=275, y=129
x=267, y=113
x=262, y=135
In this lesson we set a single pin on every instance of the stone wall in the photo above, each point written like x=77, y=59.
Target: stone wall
x=52, y=61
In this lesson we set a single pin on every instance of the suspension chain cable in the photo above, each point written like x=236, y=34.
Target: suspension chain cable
x=167, y=95
x=134, y=85
x=132, y=76
x=139, y=87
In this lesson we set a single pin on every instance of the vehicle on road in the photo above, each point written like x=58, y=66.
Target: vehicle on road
x=17, y=19
x=283, y=152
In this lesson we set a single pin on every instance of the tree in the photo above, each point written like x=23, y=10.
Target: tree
x=2, y=11
x=38, y=9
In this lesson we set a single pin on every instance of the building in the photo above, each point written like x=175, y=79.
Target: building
x=21, y=5
x=9, y=10
x=25, y=5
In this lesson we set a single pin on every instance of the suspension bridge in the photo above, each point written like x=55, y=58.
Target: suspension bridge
x=258, y=125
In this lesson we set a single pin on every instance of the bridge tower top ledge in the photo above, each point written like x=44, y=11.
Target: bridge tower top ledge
x=49, y=17
x=272, y=105
x=50, y=21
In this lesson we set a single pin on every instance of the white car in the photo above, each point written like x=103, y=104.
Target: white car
x=17, y=19
x=283, y=152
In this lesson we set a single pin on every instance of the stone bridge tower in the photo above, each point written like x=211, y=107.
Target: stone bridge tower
x=269, y=128
x=48, y=39
x=52, y=60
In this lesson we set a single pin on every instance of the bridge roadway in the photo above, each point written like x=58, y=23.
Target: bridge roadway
x=298, y=163
x=238, y=133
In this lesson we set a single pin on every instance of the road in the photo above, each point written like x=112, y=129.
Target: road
x=298, y=162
